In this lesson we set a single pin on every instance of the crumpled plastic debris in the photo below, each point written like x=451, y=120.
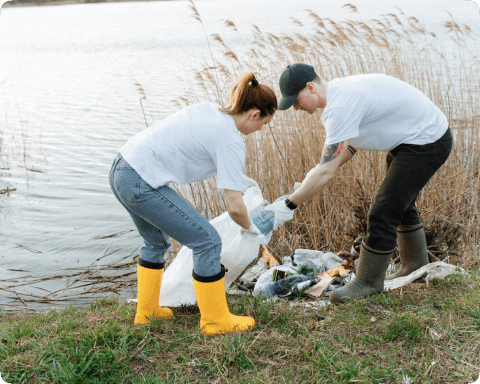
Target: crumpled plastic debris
x=234, y=292
x=250, y=277
x=267, y=277
x=437, y=270
x=267, y=261
x=313, y=305
x=300, y=271
x=324, y=261
x=304, y=268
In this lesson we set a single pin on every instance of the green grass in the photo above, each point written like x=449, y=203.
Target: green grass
x=429, y=334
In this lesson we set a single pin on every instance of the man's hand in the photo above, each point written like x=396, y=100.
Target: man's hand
x=281, y=211
x=252, y=230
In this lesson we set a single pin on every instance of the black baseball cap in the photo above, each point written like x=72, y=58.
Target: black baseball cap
x=292, y=81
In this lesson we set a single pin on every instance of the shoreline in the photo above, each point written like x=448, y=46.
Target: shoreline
x=36, y=3
x=415, y=329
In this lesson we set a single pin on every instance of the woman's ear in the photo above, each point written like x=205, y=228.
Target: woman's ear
x=255, y=114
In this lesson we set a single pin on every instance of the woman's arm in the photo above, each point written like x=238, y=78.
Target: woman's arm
x=236, y=208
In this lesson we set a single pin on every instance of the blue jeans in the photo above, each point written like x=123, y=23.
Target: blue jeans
x=162, y=213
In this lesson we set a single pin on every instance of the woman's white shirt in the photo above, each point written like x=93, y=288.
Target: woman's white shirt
x=193, y=144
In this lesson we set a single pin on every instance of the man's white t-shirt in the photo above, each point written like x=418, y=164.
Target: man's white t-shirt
x=379, y=112
x=193, y=144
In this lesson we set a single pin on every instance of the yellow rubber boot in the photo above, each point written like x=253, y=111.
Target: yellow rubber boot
x=149, y=281
x=215, y=317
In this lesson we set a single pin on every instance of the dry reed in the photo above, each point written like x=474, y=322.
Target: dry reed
x=396, y=45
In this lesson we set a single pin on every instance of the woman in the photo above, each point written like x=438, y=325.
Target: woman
x=193, y=144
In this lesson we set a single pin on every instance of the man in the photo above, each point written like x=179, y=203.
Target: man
x=379, y=113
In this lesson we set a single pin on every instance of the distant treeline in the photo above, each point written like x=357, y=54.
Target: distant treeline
x=14, y=3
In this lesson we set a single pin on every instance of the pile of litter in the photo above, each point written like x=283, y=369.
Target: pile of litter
x=315, y=272
x=318, y=273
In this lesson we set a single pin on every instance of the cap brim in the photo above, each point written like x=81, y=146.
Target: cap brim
x=287, y=102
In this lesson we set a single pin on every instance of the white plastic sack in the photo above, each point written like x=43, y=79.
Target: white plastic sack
x=237, y=252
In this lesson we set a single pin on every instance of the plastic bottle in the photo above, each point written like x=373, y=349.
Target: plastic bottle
x=304, y=285
x=281, y=287
x=263, y=219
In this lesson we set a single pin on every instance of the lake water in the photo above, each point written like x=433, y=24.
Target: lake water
x=68, y=103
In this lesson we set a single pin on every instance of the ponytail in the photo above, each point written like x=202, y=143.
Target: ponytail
x=249, y=94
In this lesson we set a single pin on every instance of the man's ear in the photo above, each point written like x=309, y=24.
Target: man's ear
x=311, y=87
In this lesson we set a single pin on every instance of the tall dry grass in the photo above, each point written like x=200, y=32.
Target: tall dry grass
x=444, y=68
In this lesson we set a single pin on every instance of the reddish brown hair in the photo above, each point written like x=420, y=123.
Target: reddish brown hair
x=248, y=94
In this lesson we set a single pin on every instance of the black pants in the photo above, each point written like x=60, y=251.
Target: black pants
x=409, y=167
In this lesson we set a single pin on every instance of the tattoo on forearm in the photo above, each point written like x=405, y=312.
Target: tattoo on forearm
x=331, y=152
x=232, y=199
x=352, y=150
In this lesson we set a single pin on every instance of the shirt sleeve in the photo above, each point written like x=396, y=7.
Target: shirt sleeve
x=230, y=162
x=341, y=124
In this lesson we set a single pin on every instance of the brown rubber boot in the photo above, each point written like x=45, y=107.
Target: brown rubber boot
x=370, y=275
x=412, y=245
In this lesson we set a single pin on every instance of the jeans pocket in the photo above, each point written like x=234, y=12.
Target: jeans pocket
x=126, y=184
x=144, y=190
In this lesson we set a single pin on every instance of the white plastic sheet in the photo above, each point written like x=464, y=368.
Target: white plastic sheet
x=238, y=251
x=437, y=270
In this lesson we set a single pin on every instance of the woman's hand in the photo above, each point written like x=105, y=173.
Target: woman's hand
x=252, y=230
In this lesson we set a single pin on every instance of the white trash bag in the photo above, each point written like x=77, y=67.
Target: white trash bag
x=238, y=251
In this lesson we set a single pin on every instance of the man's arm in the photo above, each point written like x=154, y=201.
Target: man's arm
x=333, y=157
